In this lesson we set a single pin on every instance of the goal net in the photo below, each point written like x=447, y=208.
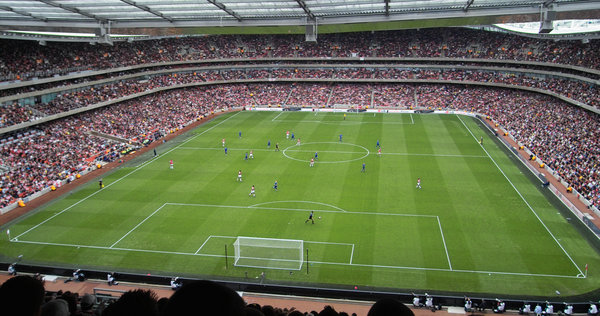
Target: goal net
x=268, y=253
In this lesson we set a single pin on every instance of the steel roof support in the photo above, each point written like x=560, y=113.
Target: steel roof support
x=23, y=13
x=387, y=7
x=304, y=7
x=224, y=8
x=147, y=9
x=466, y=7
x=74, y=10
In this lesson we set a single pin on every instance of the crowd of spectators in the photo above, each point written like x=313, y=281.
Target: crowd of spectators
x=351, y=95
x=13, y=113
x=26, y=296
x=22, y=60
x=308, y=94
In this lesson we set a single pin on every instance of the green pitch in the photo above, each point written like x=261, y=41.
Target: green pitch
x=478, y=224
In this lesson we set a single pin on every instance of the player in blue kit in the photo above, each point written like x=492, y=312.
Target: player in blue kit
x=310, y=217
x=275, y=186
x=316, y=155
x=364, y=166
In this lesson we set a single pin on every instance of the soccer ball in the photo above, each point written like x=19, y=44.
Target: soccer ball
x=319, y=217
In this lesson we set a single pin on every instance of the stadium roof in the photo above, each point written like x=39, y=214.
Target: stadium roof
x=154, y=17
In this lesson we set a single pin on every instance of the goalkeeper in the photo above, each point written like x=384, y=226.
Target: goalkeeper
x=310, y=217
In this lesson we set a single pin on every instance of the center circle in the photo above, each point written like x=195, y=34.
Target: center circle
x=325, y=151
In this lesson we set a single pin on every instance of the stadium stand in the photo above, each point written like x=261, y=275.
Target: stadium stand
x=25, y=60
x=550, y=128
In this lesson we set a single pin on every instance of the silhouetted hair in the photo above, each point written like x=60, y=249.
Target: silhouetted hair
x=205, y=298
x=135, y=302
x=21, y=295
x=328, y=311
x=389, y=307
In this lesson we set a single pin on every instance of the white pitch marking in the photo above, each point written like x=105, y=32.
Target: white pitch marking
x=436, y=155
x=299, y=210
x=324, y=151
x=273, y=120
x=273, y=202
x=221, y=148
x=321, y=162
x=204, y=243
x=138, y=225
x=339, y=152
x=444, y=241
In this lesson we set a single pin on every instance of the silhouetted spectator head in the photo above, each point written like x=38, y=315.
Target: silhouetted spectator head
x=22, y=295
x=328, y=311
x=205, y=298
x=57, y=307
x=251, y=311
x=389, y=307
x=268, y=310
x=162, y=305
x=71, y=299
x=135, y=302
x=87, y=302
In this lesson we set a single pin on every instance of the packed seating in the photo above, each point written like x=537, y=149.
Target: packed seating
x=23, y=60
x=14, y=114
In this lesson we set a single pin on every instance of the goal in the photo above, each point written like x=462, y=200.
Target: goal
x=270, y=253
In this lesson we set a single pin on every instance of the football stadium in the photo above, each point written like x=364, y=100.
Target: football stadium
x=299, y=157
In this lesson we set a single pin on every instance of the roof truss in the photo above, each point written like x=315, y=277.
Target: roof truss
x=224, y=8
x=74, y=10
x=147, y=9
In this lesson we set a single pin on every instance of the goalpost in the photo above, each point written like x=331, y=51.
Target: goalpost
x=270, y=253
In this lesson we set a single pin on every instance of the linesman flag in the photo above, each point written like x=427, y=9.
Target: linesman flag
x=586, y=267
